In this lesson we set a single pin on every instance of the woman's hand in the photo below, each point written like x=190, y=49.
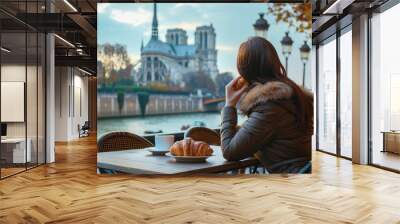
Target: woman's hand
x=234, y=90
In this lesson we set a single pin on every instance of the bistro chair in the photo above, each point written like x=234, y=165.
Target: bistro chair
x=118, y=141
x=206, y=135
x=301, y=165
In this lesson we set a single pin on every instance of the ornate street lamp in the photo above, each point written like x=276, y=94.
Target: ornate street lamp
x=304, y=55
x=261, y=26
x=287, y=44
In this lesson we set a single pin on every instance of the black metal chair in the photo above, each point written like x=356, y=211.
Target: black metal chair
x=301, y=165
x=84, y=130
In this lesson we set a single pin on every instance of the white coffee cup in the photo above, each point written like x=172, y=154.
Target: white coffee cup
x=163, y=142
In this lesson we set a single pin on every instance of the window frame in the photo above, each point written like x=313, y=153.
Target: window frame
x=379, y=10
x=334, y=37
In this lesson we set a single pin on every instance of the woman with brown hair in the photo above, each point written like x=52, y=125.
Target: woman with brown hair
x=280, y=113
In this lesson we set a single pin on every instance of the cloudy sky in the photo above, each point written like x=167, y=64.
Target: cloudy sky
x=130, y=23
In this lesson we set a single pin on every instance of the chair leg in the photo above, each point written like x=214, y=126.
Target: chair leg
x=242, y=171
x=105, y=171
x=254, y=171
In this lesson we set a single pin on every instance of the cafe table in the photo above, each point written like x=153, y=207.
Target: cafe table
x=141, y=161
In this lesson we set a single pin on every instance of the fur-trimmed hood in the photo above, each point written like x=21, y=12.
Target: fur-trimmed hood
x=259, y=93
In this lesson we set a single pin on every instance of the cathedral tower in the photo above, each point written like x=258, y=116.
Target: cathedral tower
x=154, y=27
x=176, y=36
x=205, y=39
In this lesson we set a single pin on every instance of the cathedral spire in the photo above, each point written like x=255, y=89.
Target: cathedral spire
x=154, y=28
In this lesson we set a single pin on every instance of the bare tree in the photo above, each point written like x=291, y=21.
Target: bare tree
x=199, y=80
x=221, y=81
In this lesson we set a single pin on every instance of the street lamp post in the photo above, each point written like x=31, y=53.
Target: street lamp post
x=304, y=55
x=261, y=26
x=287, y=44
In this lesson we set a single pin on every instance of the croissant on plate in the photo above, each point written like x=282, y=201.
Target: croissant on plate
x=190, y=147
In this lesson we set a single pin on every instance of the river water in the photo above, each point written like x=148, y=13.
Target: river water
x=166, y=123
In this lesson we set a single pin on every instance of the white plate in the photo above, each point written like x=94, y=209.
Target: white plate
x=157, y=152
x=189, y=159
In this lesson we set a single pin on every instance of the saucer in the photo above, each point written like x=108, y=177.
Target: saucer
x=189, y=159
x=157, y=152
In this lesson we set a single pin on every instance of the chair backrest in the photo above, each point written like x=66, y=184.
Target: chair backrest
x=86, y=124
x=299, y=165
x=118, y=141
x=204, y=134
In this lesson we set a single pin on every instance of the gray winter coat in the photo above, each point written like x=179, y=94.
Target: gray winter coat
x=270, y=132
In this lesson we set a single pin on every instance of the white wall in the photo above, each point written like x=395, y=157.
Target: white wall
x=16, y=73
x=33, y=126
x=62, y=81
x=71, y=102
x=80, y=110
x=11, y=73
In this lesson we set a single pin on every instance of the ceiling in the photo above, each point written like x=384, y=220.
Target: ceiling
x=332, y=15
x=74, y=22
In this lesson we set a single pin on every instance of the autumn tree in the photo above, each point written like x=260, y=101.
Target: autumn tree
x=100, y=73
x=113, y=58
x=295, y=15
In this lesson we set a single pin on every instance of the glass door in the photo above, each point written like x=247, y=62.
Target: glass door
x=346, y=93
x=13, y=103
x=385, y=89
x=22, y=77
x=326, y=107
x=334, y=99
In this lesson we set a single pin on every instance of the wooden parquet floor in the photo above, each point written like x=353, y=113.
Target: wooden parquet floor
x=70, y=191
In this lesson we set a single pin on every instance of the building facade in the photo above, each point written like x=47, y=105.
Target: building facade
x=170, y=60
